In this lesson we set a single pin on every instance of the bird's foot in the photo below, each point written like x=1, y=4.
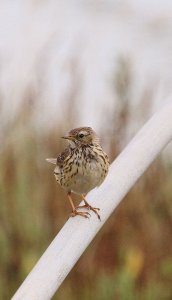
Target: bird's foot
x=84, y=214
x=94, y=209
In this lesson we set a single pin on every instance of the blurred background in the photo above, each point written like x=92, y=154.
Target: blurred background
x=64, y=64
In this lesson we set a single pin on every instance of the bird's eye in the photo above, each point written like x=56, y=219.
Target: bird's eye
x=81, y=135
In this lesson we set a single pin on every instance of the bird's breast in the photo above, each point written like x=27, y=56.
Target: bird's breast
x=82, y=171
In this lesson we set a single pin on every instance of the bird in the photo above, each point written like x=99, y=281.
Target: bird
x=82, y=166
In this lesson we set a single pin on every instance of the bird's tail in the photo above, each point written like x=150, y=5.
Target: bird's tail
x=52, y=160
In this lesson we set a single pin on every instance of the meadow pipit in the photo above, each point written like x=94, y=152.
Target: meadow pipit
x=82, y=166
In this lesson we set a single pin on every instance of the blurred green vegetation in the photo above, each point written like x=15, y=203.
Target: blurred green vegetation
x=131, y=257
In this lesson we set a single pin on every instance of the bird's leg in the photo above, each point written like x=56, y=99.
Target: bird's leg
x=87, y=205
x=74, y=211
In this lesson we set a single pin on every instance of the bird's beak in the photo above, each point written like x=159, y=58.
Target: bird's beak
x=68, y=137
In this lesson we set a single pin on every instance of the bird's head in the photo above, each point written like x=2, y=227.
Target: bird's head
x=81, y=136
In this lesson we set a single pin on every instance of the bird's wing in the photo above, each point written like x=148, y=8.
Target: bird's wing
x=62, y=156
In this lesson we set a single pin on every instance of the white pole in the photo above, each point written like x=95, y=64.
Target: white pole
x=69, y=244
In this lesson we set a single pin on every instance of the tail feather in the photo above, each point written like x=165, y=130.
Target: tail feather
x=52, y=160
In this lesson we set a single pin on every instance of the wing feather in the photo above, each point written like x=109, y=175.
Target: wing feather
x=60, y=158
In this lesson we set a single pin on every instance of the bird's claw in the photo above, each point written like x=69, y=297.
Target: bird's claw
x=94, y=209
x=84, y=214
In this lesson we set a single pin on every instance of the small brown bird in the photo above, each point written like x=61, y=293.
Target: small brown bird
x=82, y=166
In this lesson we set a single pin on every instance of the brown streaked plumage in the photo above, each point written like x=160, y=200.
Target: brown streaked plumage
x=82, y=166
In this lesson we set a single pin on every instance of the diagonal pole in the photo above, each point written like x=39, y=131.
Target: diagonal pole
x=69, y=244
